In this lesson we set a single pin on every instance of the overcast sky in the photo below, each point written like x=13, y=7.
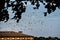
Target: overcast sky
x=34, y=23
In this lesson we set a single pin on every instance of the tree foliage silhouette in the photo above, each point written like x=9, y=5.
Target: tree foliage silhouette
x=20, y=8
x=46, y=38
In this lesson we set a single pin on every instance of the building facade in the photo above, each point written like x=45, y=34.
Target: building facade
x=11, y=35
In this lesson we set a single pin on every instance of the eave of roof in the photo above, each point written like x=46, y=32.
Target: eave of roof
x=13, y=34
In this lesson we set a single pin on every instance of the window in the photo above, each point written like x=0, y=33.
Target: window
x=23, y=39
x=13, y=38
x=7, y=38
x=28, y=39
x=2, y=38
x=18, y=38
x=31, y=38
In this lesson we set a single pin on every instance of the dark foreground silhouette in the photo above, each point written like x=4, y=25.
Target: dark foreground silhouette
x=47, y=38
x=20, y=8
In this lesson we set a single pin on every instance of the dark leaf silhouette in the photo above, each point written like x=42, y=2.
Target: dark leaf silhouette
x=45, y=13
x=20, y=8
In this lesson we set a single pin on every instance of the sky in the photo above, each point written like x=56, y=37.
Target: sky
x=34, y=23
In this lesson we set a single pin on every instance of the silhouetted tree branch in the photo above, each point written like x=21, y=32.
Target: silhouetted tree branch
x=20, y=8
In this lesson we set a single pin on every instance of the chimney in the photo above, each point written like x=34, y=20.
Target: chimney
x=20, y=32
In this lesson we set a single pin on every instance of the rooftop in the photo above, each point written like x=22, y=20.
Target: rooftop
x=13, y=34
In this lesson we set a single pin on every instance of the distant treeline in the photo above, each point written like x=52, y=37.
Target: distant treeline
x=49, y=38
